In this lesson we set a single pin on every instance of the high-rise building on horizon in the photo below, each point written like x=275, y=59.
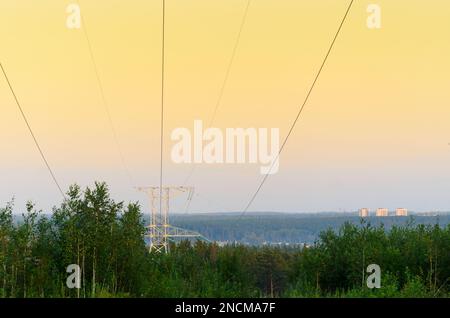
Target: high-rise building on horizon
x=364, y=212
x=401, y=212
x=382, y=212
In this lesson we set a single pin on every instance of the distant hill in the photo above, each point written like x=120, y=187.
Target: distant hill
x=273, y=228
x=258, y=228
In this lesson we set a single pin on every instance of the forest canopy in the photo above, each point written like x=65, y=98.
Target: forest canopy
x=106, y=239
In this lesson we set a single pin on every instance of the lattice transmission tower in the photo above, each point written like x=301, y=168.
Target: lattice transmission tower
x=159, y=231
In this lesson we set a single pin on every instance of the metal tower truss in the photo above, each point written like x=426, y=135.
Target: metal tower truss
x=179, y=233
x=159, y=231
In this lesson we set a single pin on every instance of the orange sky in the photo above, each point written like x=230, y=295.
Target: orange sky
x=374, y=133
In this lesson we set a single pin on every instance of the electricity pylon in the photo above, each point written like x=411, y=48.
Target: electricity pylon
x=160, y=232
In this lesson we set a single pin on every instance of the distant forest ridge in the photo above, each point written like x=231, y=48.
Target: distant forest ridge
x=261, y=228
x=282, y=228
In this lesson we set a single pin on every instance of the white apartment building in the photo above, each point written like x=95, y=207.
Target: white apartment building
x=382, y=212
x=364, y=212
x=401, y=212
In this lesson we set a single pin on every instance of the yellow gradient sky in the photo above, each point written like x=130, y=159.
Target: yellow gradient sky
x=375, y=132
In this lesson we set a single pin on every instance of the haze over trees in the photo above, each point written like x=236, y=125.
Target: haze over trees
x=260, y=228
x=105, y=238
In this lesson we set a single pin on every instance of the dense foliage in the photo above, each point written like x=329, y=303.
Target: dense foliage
x=106, y=239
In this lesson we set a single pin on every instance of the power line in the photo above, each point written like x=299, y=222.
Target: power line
x=162, y=103
x=104, y=100
x=227, y=75
x=300, y=110
x=32, y=134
